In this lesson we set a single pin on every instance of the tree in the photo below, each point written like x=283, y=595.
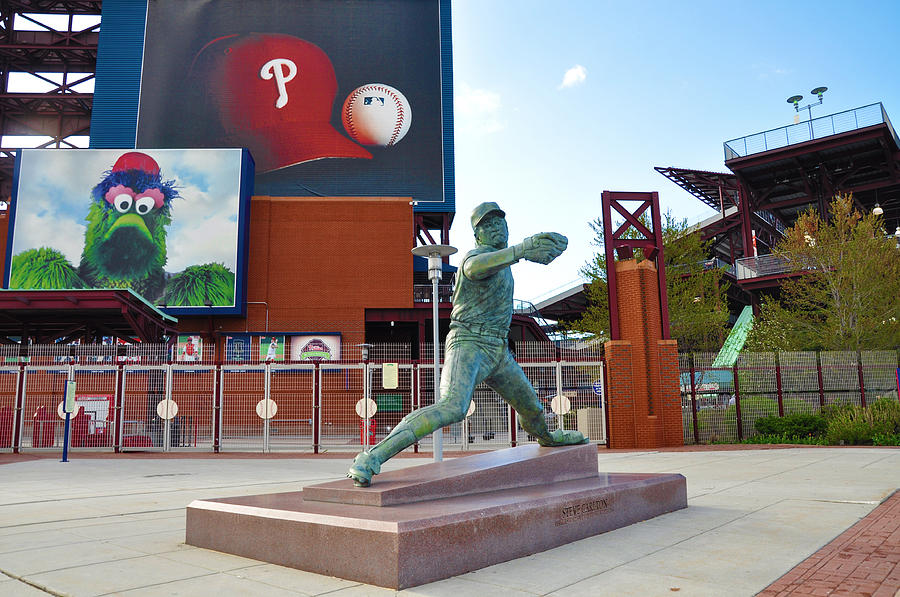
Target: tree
x=698, y=311
x=846, y=296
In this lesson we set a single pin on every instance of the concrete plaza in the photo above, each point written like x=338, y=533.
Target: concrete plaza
x=106, y=524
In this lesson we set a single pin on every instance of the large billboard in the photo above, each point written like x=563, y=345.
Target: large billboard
x=170, y=224
x=331, y=97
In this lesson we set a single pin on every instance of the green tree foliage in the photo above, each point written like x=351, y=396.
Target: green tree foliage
x=845, y=296
x=698, y=312
x=43, y=268
x=197, y=285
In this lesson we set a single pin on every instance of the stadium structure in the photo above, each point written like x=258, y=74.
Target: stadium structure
x=326, y=246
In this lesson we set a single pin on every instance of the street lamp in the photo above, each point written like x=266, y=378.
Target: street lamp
x=878, y=211
x=435, y=255
x=795, y=100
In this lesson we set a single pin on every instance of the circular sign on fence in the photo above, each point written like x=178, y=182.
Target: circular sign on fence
x=363, y=411
x=61, y=410
x=598, y=387
x=471, y=410
x=167, y=409
x=560, y=404
x=266, y=408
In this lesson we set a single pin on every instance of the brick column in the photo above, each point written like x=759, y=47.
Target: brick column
x=619, y=394
x=655, y=399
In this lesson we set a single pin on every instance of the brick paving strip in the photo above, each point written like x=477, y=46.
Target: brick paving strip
x=863, y=561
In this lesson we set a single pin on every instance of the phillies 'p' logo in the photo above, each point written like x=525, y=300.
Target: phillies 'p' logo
x=275, y=69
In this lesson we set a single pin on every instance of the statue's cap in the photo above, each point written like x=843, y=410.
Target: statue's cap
x=484, y=209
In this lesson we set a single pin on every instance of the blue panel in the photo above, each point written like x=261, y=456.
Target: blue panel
x=118, y=75
x=11, y=225
x=447, y=110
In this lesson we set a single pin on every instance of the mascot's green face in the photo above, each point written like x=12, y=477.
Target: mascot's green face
x=125, y=247
x=126, y=236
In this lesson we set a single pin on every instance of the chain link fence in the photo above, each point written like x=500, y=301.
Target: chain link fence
x=722, y=404
x=143, y=397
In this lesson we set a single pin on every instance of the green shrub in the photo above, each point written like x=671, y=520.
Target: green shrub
x=796, y=425
x=886, y=415
x=783, y=439
x=851, y=427
x=886, y=439
x=878, y=423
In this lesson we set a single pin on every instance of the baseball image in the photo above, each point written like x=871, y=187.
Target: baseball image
x=376, y=114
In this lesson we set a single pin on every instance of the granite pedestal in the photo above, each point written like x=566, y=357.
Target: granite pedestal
x=438, y=520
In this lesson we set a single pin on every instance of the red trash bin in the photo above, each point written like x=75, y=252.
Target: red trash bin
x=362, y=432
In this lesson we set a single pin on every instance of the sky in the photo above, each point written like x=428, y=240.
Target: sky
x=557, y=101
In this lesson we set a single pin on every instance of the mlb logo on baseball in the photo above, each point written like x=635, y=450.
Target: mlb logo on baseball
x=376, y=114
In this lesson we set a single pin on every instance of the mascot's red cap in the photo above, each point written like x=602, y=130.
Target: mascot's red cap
x=135, y=160
x=273, y=94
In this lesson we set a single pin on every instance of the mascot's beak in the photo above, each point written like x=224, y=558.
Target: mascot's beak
x=133, y=221
x=127, y=250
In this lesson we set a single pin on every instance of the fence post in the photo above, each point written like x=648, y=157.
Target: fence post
x=694, y=401
x=821, y=381
x=18, y=415
x=862, y=383
x=167, y=425
x=512, y=426
x=317, y=408
x=119, y=399
x=559, y=385
x=218, y=391
x=414, y=402
x=778, y=385
x=267, y=395
x=737, y=405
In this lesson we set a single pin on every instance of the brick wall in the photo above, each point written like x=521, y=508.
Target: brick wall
x=643, y=380
x=319, y=262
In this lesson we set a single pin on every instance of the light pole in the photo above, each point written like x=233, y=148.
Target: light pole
x=795, y=100
x=435, y=255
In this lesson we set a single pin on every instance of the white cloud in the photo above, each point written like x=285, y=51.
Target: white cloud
x=477, y=111
x=574, y=76
x=204, y=229
x=47, y=228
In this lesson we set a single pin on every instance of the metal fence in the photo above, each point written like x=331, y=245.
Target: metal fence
x=816, y=128
x=723, y=403
x=142, y=401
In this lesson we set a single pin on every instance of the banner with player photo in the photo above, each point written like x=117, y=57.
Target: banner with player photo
x=189, y=349
x=271, y=348
x=332, y=98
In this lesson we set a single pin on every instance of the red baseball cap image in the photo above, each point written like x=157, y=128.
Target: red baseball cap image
x=273, y=94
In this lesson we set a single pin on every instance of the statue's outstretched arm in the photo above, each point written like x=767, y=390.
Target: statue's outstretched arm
x=543, y=247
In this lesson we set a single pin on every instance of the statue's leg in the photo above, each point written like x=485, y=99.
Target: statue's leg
x=461, y=373
x=510, y=382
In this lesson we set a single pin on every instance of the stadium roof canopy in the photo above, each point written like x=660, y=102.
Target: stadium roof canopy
x=47, y=316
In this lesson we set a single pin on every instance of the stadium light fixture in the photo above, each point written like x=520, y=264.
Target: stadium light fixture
x=878, y=211
x=795, y=100
x=435, y=255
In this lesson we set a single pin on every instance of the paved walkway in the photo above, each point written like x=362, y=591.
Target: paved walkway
x=105, y=525
x=863, y=560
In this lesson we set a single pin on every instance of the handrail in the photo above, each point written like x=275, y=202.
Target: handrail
x=817, y=128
